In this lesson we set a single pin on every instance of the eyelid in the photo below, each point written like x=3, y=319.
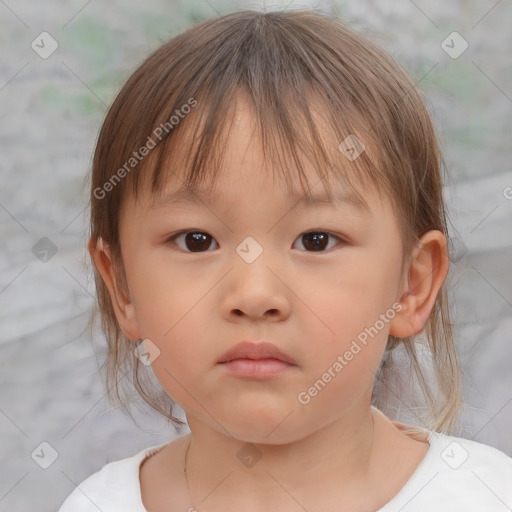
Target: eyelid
x=320, y=230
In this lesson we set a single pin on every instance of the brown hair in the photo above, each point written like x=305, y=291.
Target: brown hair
x=288, y=63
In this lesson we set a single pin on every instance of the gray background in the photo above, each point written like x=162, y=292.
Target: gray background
x=50, y=112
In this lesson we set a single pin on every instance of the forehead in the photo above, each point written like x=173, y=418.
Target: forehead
x=176, y=196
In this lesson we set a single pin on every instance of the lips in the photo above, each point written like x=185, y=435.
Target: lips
x=255, y=351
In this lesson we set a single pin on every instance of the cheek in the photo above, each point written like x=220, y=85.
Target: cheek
x=163, y=296
x=184, y=356
x=353, y=312
x=353, y=298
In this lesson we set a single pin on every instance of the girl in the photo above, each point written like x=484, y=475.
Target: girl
x=268, y=233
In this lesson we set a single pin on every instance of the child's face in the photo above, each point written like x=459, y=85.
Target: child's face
x=195, y=299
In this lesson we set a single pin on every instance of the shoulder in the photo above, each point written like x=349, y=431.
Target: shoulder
x=480, y=473
x=471, y=457
x=115, y=487
x=461, y=474
x=457, y=474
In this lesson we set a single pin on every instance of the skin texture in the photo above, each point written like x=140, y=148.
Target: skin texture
x=329, y=453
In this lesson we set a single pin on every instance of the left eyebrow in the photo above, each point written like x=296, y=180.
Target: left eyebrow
x=188, y=196
x=338, y=197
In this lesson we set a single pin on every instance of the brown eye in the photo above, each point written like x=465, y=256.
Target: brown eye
x=193, y=241
x=316, y=241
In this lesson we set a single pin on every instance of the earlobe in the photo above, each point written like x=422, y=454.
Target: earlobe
x=427, y=271
x=120, y=298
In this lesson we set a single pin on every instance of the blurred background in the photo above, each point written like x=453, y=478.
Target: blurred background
x=61, y=64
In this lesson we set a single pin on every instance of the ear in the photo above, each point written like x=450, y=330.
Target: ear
x=425, y=275
x=121, y=302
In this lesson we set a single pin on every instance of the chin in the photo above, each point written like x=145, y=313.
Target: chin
x=269, y=427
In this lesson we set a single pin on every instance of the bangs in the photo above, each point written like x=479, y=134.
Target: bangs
x=290, y=143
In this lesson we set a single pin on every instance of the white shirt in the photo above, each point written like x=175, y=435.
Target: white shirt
x=456, y=475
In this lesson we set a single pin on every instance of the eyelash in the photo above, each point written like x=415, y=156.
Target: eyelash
x=172, y=238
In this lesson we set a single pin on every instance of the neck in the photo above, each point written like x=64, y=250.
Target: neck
x=259, y=475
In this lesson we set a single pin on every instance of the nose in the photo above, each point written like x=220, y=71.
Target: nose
x=256, y=291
